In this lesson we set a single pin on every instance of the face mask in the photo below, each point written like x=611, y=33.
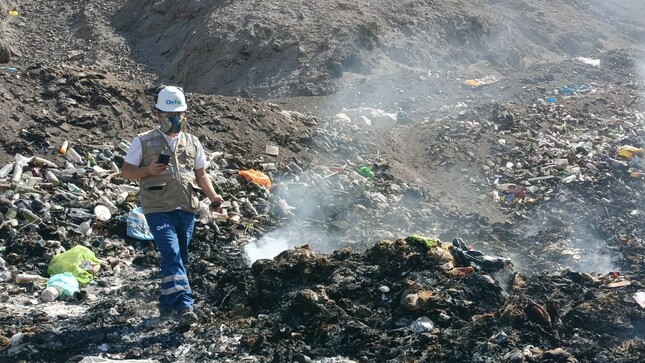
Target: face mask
x=173, y=124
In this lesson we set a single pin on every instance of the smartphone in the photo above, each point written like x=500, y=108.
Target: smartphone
x=163, y=159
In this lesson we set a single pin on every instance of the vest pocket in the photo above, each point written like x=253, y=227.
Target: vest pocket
x=153, y=196
x=159, y=188
x=194, y=195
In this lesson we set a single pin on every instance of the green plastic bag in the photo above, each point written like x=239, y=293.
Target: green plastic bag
x=76, y=260
x=425, y=241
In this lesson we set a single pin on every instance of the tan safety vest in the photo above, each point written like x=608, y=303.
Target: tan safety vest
x=176, y=187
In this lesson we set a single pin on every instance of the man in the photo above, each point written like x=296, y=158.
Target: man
x=170, y=166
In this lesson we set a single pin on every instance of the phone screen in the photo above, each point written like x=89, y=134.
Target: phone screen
x=163, y=159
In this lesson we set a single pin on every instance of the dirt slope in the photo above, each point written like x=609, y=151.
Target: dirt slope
x=294, y=48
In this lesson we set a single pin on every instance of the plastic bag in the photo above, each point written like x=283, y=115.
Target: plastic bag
x=77, y=260
x=66, y=283
x=425, y=241
x=138, y=226
x=628, y=151
x=487, y=263
x=256, y=177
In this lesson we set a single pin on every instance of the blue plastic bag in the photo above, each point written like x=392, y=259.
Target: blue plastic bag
x=569, y=90
x=66, y=283
x=138, y=226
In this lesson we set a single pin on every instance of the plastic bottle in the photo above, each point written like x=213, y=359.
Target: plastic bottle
x=74, y=172
x=27, y=278
x=124, y=146
x=79, y=213
x=63, y=148
x=6, y=170
x=18, y=167
x=51, y=178
x=106, y=155
x=269, y=166
x=121, y=198
x=108, y=203
x=74, y=157
x=29, y=216
x=7, y=202
x=75, y=189
x=42, y=162
x=27, y=189
x=12, y=213
x=91, y=160
x=85, y=228
x=50, y=294
x=99, y=171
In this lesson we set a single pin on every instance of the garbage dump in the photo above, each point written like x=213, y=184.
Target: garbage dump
x=369, y=266
x=495, y=218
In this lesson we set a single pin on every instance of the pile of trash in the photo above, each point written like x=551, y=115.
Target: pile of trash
x=322, y=251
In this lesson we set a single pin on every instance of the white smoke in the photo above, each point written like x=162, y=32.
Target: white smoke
x=267, y=247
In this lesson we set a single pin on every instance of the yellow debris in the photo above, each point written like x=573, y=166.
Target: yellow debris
x=13, y=12
x=628, y=151
x=472, y=83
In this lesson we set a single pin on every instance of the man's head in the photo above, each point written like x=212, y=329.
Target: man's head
x=170, y=105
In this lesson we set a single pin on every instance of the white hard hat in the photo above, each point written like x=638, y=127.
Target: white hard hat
x=171, y=99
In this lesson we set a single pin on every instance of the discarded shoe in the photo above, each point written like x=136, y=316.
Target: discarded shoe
x=187, y=317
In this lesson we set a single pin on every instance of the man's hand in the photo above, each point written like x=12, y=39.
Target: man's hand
x=216, y=203
x=156, y=168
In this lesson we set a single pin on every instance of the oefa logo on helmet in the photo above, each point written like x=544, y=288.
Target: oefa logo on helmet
x=171, y=99
x=176, y=102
